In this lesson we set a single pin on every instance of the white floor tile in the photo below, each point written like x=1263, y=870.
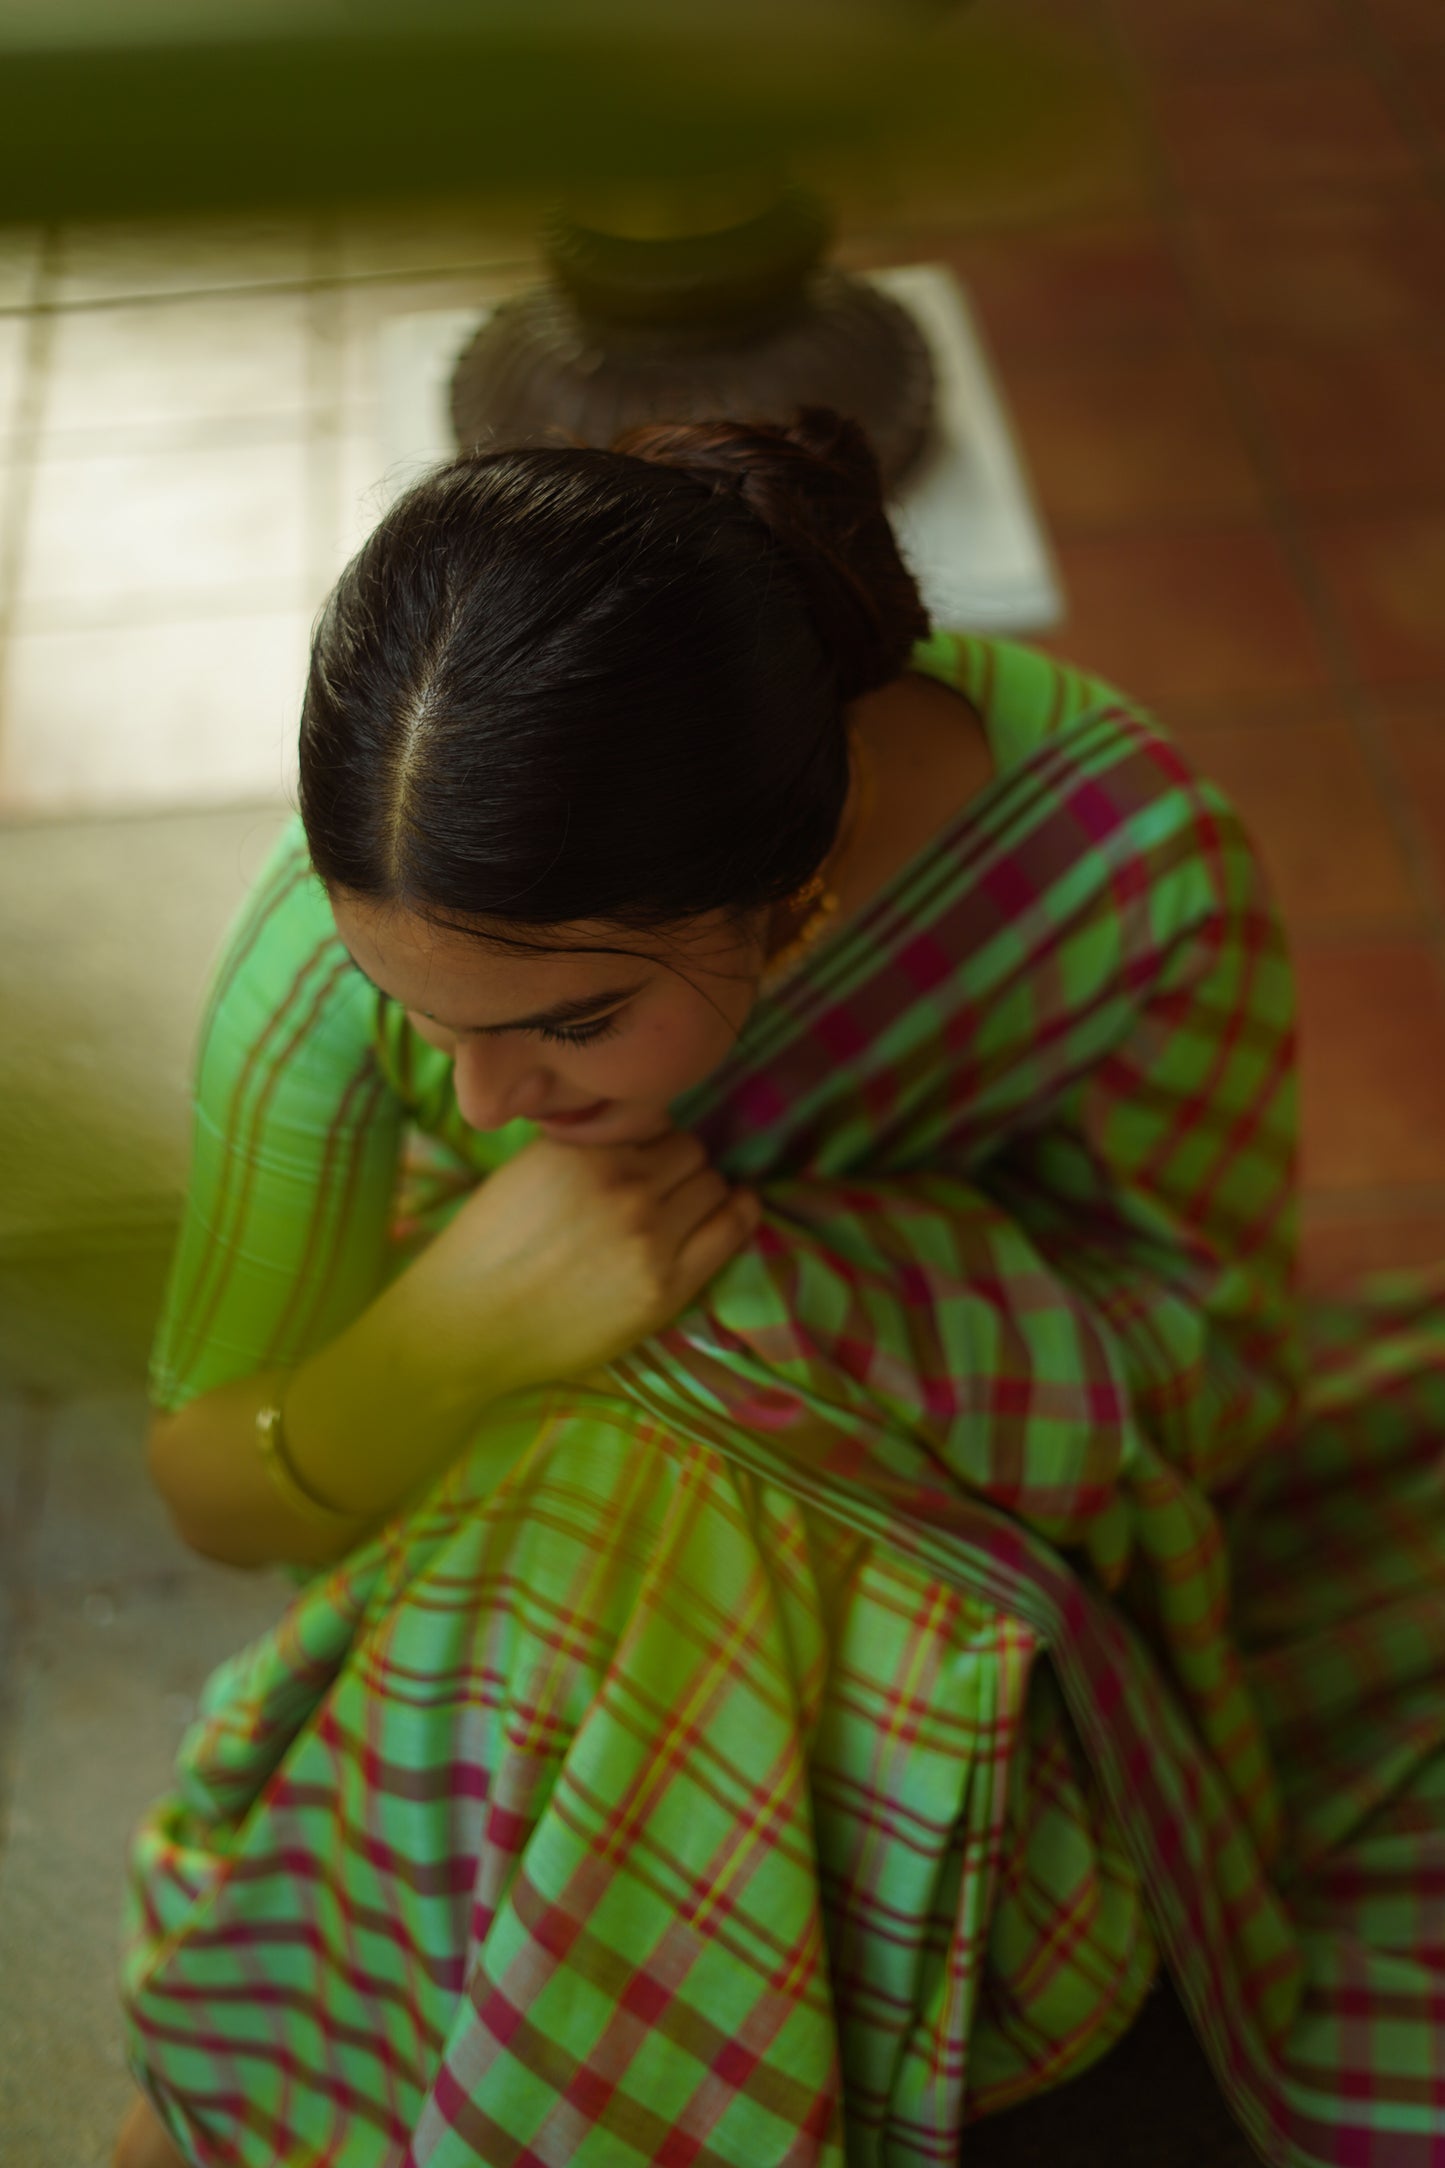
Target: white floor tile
x=178, y=433
x=365, y=491
x=197, y=713
x=361, y=487
x=172, y=256
x=367, y=309
x=105, y=535
x=167, y=362
x=7, y=507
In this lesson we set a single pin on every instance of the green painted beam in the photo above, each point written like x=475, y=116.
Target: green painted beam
x=136, y=107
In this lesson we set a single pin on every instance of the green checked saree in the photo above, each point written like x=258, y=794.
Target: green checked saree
x=992, y=1588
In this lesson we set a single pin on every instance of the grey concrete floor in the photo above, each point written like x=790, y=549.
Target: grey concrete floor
x=108, y=1628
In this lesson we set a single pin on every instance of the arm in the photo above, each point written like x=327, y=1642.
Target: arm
x=370, y=1417
x=282, y=1246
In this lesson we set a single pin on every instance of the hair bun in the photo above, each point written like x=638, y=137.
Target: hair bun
x=814, y=485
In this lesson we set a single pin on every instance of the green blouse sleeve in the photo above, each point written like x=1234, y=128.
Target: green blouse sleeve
x=295, y=1142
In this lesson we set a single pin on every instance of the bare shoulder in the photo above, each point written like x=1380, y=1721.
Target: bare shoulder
x=930, y=757
x=955, y=737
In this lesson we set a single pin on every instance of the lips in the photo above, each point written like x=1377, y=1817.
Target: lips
x=577, y=1114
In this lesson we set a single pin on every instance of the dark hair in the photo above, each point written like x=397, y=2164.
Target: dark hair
x=564, y=683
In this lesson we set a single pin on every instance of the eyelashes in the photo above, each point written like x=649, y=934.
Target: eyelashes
x=603, y=1030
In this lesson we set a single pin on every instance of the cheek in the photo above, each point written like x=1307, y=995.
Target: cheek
x=432, y=1033
x=675, y=1053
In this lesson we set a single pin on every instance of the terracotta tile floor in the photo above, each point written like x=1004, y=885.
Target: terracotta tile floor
x=1231, y=405
x=1226, y=368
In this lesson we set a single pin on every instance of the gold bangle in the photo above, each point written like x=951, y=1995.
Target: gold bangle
x=277, y=1463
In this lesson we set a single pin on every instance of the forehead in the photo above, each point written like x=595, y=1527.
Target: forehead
x=447, y=968
x=445, y=975
x=586, y=950
x=413, y=942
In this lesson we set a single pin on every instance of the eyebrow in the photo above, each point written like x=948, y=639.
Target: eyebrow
x=561, y=1012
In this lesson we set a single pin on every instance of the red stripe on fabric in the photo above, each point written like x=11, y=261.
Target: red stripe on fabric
x=1096, y=812
x=461, y=2114
x=735, y=2064
x=925, y=963
x=1006, y=885
x=644, y=1997
x=760, y=1101
x=841, y=1034
x=499, y=2016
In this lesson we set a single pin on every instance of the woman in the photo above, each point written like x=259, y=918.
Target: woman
x=766, y=1685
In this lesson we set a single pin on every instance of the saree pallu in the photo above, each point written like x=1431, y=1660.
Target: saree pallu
x=991, y=1587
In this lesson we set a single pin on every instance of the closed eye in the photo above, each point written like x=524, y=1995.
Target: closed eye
x=604, y=1030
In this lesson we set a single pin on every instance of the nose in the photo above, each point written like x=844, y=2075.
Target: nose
x=495, y=1085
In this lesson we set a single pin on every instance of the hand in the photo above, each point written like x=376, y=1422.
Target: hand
x=580, y=1255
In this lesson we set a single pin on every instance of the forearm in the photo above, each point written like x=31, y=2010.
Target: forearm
x=369, y=1419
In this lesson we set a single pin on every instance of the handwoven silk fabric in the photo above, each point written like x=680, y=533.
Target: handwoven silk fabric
x=995, y=1583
